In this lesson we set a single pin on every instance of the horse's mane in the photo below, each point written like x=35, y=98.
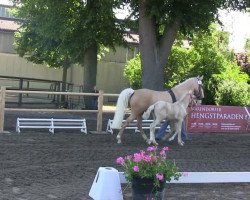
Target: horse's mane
x=183, y=83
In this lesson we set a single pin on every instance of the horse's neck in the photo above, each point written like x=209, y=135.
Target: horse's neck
x=185, y=101
x=180, y=89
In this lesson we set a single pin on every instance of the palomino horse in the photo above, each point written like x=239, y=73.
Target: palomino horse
x=141, y=99
x=175, y=112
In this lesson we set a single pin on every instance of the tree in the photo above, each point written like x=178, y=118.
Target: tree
x=70, y=31
x=160, y=21
x=205, y=57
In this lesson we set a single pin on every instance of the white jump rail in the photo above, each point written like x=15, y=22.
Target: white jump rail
x=206, y=177
x=51, y=124
x=112, y=177
x=133, y=125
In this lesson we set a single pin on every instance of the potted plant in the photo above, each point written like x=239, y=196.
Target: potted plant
x=148, y=171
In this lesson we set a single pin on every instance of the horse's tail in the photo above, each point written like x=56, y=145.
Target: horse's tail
x=146, y=114
x=122, y=103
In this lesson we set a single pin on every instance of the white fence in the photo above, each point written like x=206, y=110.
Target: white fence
x=107, y=182
x=133, y=125
x=51, y=124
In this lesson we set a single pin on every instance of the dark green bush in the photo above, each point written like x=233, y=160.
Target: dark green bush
x=233, y=93
x=133, y=73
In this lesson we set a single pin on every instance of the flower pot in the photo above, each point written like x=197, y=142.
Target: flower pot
x=144, y=189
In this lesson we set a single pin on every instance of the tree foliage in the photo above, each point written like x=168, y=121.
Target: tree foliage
x=67, y=30
x=204, y=57
x=230, y=93
x=247, y=47
x=66, y=27
x=133, y=73
x=160, y=21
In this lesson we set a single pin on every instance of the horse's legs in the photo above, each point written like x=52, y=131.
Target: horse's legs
x=139, y=125
x=152, y=131
x=179, y=125
x=126, y=123
x=173, y=136
x=172, y=130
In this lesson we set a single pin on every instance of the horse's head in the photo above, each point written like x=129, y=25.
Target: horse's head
x=198, y=91
x=192, y=99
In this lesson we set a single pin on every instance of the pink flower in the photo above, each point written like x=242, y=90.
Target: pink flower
x=120, y=161
x=137, y=157
x=151, y=148
x=159, y=176
x=136, y=168
x=162, y=153
x=143, y=153
x=153, y=158
x=185, y=174
x=128, y=157
x=165, y=148
x=147, y=158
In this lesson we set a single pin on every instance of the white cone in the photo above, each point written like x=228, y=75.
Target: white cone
x=106, y=185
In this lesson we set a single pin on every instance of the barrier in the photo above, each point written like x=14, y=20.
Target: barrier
x=133, y=125
x=97, y=189
x=51, y=124
x=99, y=112
x=207, y=177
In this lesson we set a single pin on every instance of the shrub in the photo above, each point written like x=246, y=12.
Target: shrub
x=233, y=93
x=133, y=73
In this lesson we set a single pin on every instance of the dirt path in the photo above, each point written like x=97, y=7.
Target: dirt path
x=36, y=165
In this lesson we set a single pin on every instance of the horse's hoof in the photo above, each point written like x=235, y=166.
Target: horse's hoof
x=170, y=139
x=119, y=142
x=148, y=141
x=155, y=143
x=181, y=143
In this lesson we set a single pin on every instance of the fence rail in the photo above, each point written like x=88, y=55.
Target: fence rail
x=99, y=112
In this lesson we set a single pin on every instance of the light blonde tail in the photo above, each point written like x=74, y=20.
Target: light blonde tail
x=122, y=103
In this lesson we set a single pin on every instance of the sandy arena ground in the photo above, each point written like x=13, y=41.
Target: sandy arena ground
x=37, y=165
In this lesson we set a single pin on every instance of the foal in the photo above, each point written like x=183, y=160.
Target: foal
x=175, y=112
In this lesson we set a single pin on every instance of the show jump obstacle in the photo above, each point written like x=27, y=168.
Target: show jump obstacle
x=107, y=182
x=133, y=125
x=51, y=124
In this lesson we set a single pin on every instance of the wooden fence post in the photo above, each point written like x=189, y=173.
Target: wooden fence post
x=20, y=96
x=2, y=106
x=100, y=111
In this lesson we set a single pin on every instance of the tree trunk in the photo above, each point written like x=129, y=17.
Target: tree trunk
x=154, y=54
x=65, y=66
x=90, y=71
x=152, y=72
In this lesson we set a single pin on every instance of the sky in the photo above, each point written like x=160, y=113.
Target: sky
x=236, y=23
x=5, y=2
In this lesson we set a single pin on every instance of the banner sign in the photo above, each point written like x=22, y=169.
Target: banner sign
x=208, y=118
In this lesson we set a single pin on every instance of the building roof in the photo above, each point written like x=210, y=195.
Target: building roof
x=9, y=25
x=132, y=38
